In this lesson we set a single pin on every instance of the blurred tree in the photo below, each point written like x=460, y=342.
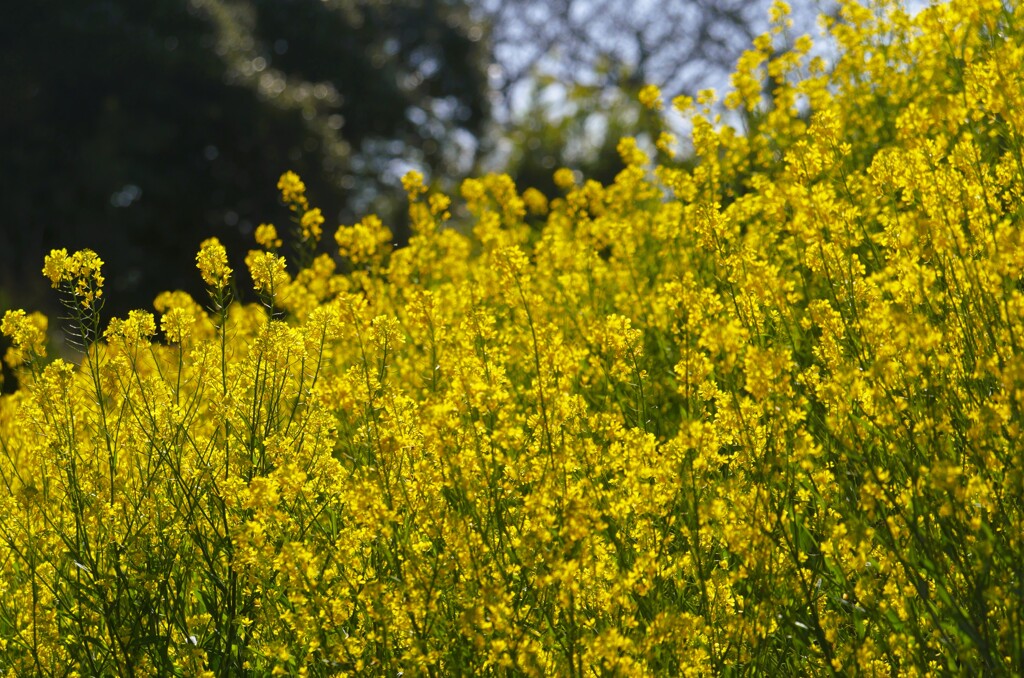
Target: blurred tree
x=139, y=128
x=566, y=72
x=578, y=126
x=679, y=45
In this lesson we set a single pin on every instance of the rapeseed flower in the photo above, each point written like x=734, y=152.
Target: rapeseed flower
x=212, y=262
x=754, y=411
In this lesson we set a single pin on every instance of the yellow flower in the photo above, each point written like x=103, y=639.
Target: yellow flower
x=565, y=178
x=535, y=201
x=268, y=270
x=412, y=182
x=311, y=223
x=699, y=414
x=472, y=190
x=439, y=204
x=293, y=191
x=650, y=97
x=80, y=272
x=177, y=325
x=683, y=104
x=212, y=262
x=666, y=143
x=27, y=333
x=55, y=266
x=138, y=327
x=365, y=242
x=631, y=153
x=183, y=314
x=266, y=237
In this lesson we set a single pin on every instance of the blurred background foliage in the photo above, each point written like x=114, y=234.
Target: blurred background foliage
x=139, y=128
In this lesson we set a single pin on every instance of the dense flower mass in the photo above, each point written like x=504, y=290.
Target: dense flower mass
x=758, y=411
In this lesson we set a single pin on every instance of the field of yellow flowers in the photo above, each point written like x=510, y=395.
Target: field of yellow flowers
x=758, y=412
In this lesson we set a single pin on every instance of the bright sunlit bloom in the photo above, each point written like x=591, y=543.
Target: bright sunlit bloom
x=412, y=182
x=650, y=97
x=293, y=191
x=364, y=242
x=268, y=271
x=78, y=273
x=212, y=262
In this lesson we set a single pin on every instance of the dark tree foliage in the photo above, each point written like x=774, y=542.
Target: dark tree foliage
x=140, y=128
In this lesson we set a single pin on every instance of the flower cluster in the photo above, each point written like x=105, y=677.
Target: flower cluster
x=308, y=220
x=212, y=262
x=28, y=336
x=78, y=274
x=755, y=412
